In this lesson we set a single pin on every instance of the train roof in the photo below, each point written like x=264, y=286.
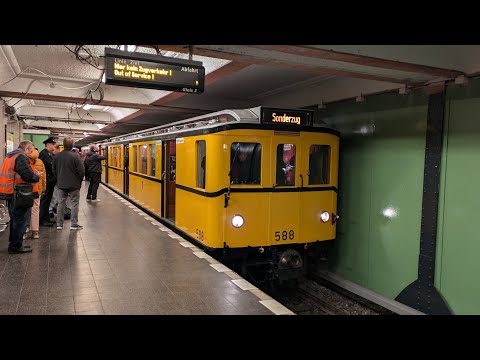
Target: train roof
x=203, y=122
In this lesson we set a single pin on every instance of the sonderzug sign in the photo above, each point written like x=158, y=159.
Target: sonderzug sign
x=286, y=116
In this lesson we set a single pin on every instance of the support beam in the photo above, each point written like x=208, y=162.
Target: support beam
x=332, y=55
x=118, y=104
x=244, y=54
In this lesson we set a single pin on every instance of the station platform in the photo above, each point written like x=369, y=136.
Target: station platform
x=122, y=262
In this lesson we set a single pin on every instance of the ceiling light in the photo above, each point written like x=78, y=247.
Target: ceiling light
x=130, y=48
x=87, y=106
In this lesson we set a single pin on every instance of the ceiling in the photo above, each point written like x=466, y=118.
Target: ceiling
x=49, y=84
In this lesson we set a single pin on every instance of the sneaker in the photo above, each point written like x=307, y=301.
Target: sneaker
x=97, y=200
x=59, y=227
x=34, y=235
x=20, y=250
x=76, y=227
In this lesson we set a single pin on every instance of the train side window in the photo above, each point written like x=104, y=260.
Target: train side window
x=319, y=165
x=152, y=159
x=285, y=165
x=115, y=154
x=245, y=163
x=143, y=159
x=201, y=163
x=135, y=158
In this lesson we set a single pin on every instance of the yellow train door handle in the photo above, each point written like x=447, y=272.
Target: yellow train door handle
x=164, y=175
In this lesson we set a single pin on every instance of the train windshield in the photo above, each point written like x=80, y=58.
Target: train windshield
x=245, y=161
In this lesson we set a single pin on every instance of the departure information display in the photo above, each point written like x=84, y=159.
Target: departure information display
x=153, y=72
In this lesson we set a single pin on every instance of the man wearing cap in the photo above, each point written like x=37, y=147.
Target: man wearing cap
x=46, y=155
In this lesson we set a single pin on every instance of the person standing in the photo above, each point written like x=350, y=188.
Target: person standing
x=17, y=169
x=53, y=202
x=46, y=155
x=69, y=171
x=42, y=184
x=94, y=164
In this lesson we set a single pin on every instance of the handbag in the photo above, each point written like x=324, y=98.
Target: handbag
x=23, y=196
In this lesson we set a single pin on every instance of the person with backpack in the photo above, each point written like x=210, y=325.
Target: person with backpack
x=17, y=170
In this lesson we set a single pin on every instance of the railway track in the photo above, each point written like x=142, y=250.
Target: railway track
x=311, y=297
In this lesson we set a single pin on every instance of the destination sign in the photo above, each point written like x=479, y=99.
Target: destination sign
x=286, y=116
x=153, y=72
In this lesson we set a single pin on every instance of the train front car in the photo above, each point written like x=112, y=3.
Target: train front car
x=280, y=201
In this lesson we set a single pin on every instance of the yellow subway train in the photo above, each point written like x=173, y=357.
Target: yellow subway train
x=255, y=186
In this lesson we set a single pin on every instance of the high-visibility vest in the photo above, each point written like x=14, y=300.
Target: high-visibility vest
x=8, y=177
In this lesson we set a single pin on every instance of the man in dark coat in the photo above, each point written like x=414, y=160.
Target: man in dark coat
x=93, y=161
x=46, y=155
x=69, y=171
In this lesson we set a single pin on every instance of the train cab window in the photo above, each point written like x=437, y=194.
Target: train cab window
x=319, y=165
x=115, y=157
x=201, y=163
x=143, y=159
x=135, y=158
x=285, y=165
x=245, y=163
x=152, y=159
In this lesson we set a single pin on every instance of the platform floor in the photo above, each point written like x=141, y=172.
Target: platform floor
x=121, y=262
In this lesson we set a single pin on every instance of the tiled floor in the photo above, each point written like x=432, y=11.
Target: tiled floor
x=119, y=263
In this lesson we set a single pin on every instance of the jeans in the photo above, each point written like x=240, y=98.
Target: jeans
x=54, y=200
x=62, y=199
x=19, y=220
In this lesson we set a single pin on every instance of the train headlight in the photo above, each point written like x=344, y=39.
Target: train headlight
x=237, y=221
x=324, y=216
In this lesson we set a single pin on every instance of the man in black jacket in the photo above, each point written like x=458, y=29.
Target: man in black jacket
x=46, y=155
x=22, y=172
x=93, y=161
x=69, y=171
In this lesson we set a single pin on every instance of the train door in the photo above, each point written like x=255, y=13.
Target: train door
x=169, y=176
x=316, y=167
x=285, y=196
x=103, y=151
x=126, y=156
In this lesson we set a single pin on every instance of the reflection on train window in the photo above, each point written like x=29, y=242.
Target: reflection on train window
x=115, y=156
x=152, y=159
x=319, y=165
x=285, y=165
x=135, y=158
x=143, y=159
x=201, y=163
x=245, y=162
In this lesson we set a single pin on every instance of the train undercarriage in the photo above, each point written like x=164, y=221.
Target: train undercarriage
x=276, y=265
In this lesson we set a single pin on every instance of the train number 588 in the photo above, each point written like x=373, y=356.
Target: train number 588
x=284, y=235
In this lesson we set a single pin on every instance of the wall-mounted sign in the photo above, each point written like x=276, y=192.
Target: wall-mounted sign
x=153, y=72
x=10, y=138
x=286, y=116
